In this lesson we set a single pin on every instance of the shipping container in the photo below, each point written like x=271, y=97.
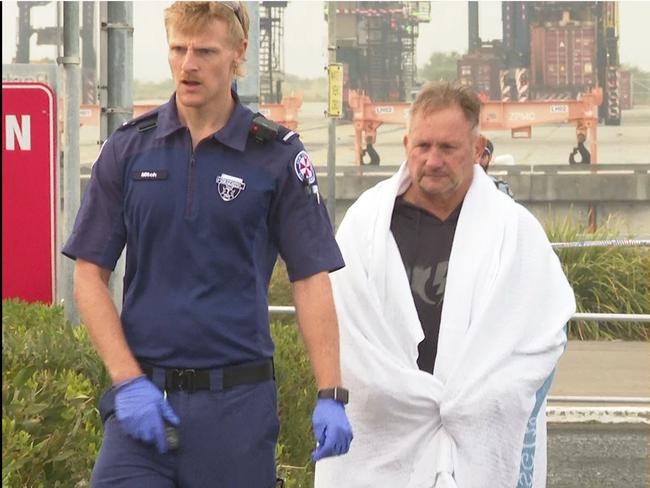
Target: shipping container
x=481, y=70
x=563, y=56
x=625, y=89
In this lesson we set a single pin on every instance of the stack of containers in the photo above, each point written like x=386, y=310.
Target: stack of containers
x=563, y=60
x=480, y=70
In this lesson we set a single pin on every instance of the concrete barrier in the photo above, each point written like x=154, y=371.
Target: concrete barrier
x=548, y=191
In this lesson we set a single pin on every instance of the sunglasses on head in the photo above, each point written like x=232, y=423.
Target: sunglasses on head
x=236, y=9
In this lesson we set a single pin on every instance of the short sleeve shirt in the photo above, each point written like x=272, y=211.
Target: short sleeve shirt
x=202, y=229
x=424, y=243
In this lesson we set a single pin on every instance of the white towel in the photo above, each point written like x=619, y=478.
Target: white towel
x=501, y=334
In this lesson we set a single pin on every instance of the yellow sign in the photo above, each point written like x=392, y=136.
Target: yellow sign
x=335, y=95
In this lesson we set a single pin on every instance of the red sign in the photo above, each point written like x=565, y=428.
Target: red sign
x=28, y=191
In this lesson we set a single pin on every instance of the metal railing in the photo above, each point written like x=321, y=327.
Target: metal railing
x=597, y=317
x=605, y=243
x=599, y=399
x=507, y=169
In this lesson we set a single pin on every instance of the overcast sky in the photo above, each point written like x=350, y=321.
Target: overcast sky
x=306, y=34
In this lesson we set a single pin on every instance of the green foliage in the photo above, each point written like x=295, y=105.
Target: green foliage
x=280, y=292
x=441, y=66
x=51, y=379
x=604, y=279
x=296, y=399
x=296, y=389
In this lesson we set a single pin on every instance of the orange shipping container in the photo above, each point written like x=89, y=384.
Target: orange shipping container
x=564, y=56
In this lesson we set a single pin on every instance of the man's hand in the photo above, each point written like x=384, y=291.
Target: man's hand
x=141, y=410
x=332, y=430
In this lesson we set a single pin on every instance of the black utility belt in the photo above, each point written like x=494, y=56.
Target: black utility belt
x=191, y=380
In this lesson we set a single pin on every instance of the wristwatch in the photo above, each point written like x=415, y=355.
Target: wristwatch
x=337, y=393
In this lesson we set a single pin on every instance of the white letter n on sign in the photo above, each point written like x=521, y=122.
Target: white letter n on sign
x=20, y=132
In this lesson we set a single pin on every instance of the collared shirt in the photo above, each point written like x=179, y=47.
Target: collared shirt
x=424, y=243
x=202, y=229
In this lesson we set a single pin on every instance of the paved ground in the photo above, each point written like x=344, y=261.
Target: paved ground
x=597, y=368
x=598, y=456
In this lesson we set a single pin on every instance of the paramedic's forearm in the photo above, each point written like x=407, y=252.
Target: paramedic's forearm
x=317, y=320
x=100, y=316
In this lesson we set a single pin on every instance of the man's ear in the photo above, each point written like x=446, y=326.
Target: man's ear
x=241, y=51
x=405, y=141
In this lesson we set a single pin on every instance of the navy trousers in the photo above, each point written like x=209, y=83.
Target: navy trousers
x=227, y=439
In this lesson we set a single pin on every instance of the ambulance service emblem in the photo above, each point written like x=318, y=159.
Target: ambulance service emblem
x=304, y=169
x=229, y=187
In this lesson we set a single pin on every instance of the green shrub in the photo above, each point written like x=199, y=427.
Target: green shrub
x=51, y=378
x=296, y=399
x=296, y=389
x=604, y=279
x=280, y=293
x=51, y=382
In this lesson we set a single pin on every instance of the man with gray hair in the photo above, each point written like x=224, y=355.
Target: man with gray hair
x=452, y=308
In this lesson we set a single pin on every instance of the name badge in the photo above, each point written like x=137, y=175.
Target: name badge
x=149, y=175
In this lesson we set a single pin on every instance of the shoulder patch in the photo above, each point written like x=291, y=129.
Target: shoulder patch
x=286, y=135
x=304, y=168
x=289, y=135
x=143, y=122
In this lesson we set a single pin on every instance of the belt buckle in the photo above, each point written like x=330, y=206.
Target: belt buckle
x=185, y=379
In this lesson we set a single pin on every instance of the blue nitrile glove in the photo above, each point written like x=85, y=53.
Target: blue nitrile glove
x=331, y=428
x=141, y=410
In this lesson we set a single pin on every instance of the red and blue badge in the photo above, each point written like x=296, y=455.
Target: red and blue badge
x=304, y=169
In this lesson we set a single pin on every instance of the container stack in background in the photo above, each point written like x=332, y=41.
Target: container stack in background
x=550, y=51
x=562, y=60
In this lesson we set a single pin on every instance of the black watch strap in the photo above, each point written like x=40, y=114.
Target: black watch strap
x=337, y=393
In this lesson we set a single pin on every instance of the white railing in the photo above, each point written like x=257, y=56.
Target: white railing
x=597, y=317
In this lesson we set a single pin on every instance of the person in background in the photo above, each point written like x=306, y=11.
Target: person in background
x=452, y=309
x=485, y=160
x=486, y=155
x=580, y=154
x=203, y=194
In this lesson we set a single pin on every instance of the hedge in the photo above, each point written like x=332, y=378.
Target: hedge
x=604, y=279
x=51, y=382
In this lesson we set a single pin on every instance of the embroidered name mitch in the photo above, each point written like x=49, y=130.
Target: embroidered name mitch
x=150, y=175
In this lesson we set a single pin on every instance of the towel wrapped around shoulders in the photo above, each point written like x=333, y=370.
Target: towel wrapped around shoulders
x=502, y=332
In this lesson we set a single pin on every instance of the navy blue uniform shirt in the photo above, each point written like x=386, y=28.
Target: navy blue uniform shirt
x=202, y=229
